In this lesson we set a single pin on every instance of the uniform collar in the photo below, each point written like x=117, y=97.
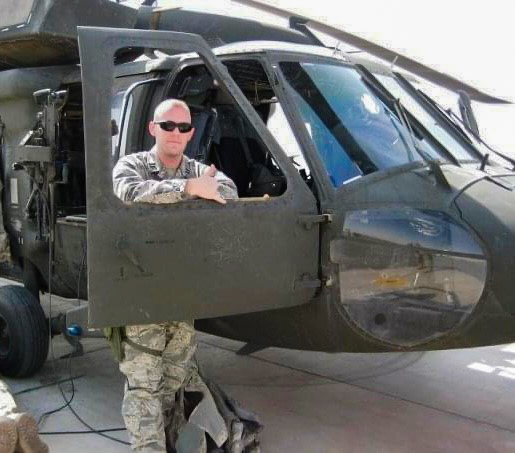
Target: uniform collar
x=157, y=167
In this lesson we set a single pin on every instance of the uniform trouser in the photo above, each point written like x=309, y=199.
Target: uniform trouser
x=152, y=381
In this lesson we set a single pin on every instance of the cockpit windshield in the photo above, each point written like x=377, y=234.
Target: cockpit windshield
x=354, y=132
x=458, y=150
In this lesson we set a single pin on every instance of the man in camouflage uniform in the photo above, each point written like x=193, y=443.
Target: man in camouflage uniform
x=18, y=431
x=159, y=358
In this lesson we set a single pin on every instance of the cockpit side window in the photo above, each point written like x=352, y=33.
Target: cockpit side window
x=130, y=94
x=281, y=129
x=339, y=166
x=253, y=80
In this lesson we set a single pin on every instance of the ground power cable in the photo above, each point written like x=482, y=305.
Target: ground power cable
x=67, y=402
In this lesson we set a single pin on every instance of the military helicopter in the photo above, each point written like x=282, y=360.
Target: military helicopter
x=369, y=219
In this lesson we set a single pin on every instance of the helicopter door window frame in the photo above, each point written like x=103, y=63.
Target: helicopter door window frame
x=283, y=163
x=139, y=90
x=325, y=188
x=249, y=256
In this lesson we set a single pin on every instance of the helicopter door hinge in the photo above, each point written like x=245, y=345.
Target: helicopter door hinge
x=310, y=220
x=307, y=282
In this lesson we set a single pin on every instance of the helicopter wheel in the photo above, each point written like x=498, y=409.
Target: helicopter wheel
x=23, y=332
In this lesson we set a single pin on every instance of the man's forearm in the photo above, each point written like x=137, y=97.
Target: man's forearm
x=134, y=189
x=130, y=185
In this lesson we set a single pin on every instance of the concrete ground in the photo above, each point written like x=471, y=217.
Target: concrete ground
x=420, y=402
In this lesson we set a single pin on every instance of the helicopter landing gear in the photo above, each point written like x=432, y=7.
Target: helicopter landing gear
x=31, y=278
x=23, y=332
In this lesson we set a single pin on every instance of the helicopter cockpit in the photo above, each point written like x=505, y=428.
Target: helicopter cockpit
x=349, y=126
x=407, y=273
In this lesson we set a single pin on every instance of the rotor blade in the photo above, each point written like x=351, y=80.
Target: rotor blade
x=381, y=52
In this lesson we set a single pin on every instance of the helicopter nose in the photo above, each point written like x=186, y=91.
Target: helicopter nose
x=408, y=275
x=437, y=277
x=488, y=207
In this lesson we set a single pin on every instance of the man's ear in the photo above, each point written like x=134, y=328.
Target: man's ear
x=152, y=128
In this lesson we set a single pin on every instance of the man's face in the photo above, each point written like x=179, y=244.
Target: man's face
x=171, y=144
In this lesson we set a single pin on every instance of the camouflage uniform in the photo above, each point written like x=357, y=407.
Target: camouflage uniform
x=8, y=432
x=154, y=380
x=7, y=404
x=18, y=431
x=141, y=177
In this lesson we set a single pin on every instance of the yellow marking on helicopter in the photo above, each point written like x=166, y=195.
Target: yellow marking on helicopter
x=389, y=280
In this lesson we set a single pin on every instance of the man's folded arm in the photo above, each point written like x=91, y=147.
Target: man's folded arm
x=226, y=187
x=130, y=186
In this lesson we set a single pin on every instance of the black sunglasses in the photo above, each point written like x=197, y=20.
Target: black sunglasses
x=169, y=126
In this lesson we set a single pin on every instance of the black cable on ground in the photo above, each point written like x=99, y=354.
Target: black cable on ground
x=55, y=433
x=50, y=249
x=50, y=275
x=50, y=384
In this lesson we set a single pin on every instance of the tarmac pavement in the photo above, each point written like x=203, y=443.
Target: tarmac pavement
x=460, y=400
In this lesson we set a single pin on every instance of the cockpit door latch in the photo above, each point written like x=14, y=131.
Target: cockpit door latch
x=313, y=219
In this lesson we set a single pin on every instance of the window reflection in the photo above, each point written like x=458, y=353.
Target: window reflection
x=279, y=126
x=407, y=275
x=445, y=138
x=354, y=132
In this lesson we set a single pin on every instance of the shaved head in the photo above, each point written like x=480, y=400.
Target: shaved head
x=170, y=104
x=171, y=143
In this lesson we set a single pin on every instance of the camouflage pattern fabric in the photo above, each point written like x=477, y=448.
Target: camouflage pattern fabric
x=141, y=177
x=149, y=403
x=153, y=401
x=18, y=430
x=7, y=404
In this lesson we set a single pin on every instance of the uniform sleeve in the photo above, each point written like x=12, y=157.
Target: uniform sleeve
x=226, y=188
x=129, y=185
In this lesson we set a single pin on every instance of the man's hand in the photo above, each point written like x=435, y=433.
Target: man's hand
x=205, y=186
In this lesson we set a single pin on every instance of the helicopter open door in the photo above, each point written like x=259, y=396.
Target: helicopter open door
x=193, y=259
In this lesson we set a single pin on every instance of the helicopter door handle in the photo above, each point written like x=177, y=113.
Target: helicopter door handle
x=313, y=219
x=307, y=282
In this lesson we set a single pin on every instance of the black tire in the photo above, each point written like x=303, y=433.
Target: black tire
x=23, y=332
